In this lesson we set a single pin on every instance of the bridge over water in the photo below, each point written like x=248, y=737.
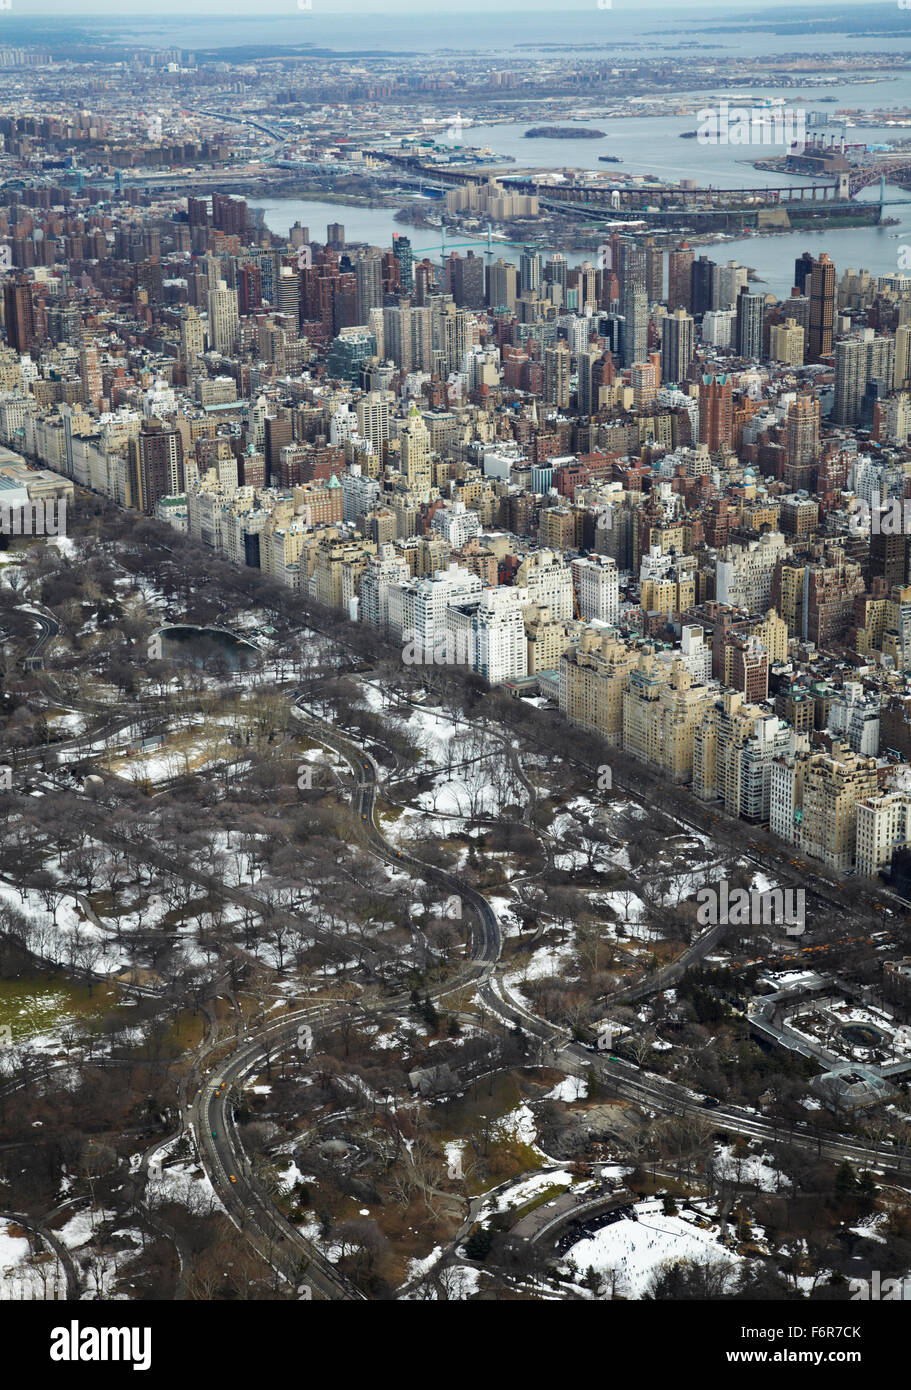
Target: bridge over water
x=664, y=202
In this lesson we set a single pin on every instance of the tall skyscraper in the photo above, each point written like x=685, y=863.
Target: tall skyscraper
x=727, y=282
x=90, y=374
x=229, y=213
x=556, y=375
x=803, y=269
x=415, y=455
x=192, y=338
x=880, y=359
x=634, y=303
x=397, y=342
x=588, y=285
x=644, y=380
x=335, y=236
x=19, y=315
x=401, y=249
x=289, y=291
x=555, y=279
x=368, y=272
x=677, y=342
x=456, y=332
x=901, y=374
x=529, y=272
x=797, y=307
x=223, y=317
x=654, y=271
x=786, y=343
x=158, y=451
x=850, y=380
x=249, y=289
x=858, y=361
x=198, y=212
x=374, y=416
x=701, y=286
x=466, y=280
x=716, y=412
x=278, y=433
x=822, y=308
x=803, y=431
x=503, y=290
x=589, y=381
x=749, y=324
x=679, y=278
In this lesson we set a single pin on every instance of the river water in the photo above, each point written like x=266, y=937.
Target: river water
x=652, y=145
x=378, y=26
x=874, y=248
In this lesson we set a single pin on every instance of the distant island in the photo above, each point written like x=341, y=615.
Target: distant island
x=563, y=132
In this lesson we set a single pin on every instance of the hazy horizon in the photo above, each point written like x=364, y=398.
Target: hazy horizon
x=240, y=9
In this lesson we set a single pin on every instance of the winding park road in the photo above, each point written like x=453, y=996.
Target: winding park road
x=210, y=1113
x=55, y=1245
x=221, y=1152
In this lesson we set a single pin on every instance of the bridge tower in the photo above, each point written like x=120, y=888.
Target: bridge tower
x=844, y=187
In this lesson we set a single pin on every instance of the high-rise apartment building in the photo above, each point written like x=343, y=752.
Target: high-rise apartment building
x=368, y=273
x=834, y=785
x=18, y=315
x=701, y=286
x=90, y=374
x=803, y=431
x=401, y=249
x=883, y=825
x=504, y=288
x=727, y=282
x=716, y=412
x=679, y=278
x=555, y=279
x=803, y=270
x=415, y=453
x=374, y=418
x=634, y=304
x=654, y=271
x=662, y=709
x=556, y=375
x=858, y=361
x=677, y=345
x=786, y=343
x=749, y=324
x=597, y=588
x=224, y=321
x=822, y=308
x=158, y=462
x=644, y=381
x=466, y=280
x=529, y=272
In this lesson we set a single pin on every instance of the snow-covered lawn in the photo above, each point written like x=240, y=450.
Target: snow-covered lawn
x=755, y=1170
x=572, y=1088
x=25, y=1277
x=635, y=1250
